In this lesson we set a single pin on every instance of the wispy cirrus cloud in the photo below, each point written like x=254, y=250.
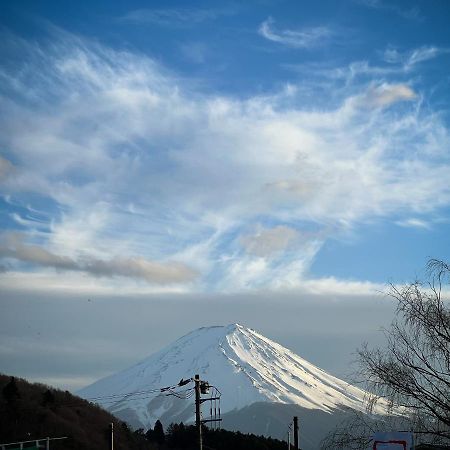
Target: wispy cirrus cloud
x=412, y=13
x=409, y=59
x=195, y=52
x=414, y=223
x=173, y=16
x=126, y=170
x=304, y=38
x=393, y=62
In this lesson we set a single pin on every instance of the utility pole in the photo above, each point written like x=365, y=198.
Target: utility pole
x=111, y=437
x=198, y=419
x=202, y=387
x=295, y=432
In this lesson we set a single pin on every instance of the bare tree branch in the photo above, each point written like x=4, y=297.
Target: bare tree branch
x=412, y=372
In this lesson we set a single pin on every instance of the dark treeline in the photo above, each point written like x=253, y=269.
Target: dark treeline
x=33, y=411
x=184, y=437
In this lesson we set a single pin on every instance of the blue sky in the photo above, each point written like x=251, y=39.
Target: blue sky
x=222, y=148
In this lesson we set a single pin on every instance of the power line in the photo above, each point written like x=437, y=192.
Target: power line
x=117, y=398
x=127, y=394
x=143, y=394
x=146, y=391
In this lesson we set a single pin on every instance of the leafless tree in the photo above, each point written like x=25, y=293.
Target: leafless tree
x=412, y=372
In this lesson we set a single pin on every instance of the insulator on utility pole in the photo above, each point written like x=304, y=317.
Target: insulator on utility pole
x=204, y=387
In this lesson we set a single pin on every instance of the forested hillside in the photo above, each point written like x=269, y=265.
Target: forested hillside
x=32, y=411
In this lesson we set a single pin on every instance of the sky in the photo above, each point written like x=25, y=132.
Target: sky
x=170, y=165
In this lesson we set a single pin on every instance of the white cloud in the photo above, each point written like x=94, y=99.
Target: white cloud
x=305, y=38
x=267, y=241
x=408, y=60
x=407, y=13
x=103, y=130
x=397, y=63
x=387, y=94
x=414, y=223
x=46, y=280
x=423, y=54
x=29, y=221
x=336, y=288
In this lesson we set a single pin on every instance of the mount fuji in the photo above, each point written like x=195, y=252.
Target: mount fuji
x=254, y=374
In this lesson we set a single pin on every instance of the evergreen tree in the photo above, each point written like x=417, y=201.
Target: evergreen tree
x=11, y=391
x=150, y=435
x=48, y=398
x=158, y=432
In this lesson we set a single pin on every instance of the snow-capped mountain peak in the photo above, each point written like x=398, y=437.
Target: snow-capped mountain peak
x=243, y=364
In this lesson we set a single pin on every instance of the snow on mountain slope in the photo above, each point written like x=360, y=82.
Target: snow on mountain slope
x=244, y=365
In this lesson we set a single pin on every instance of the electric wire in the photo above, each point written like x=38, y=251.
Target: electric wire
x=134, y=393
x=142, y=394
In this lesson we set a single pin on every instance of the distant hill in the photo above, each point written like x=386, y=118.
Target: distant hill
x=32, y=411
x=271, y=419
x=39, y=411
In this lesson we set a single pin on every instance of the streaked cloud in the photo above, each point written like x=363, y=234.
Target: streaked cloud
x=335, y=287
x=414, y=223
x=304, y=38
x=411, y=58
x=172, y=16
x=412, y=13
x=14, y=247
x=195, y=52
x=393, y=62
x=387, y=94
